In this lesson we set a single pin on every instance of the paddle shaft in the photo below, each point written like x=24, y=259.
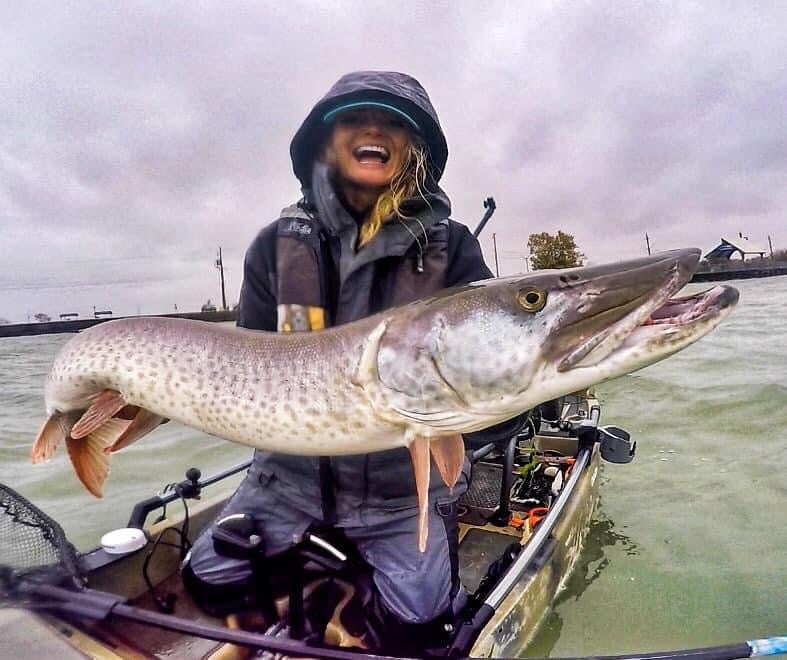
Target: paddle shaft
x=102, y=606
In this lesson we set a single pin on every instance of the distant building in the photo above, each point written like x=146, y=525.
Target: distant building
x=209, y=306
x=728, y=249
x=42, y=318
x=69, y=315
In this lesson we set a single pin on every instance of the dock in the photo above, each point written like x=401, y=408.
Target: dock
x=738, y=274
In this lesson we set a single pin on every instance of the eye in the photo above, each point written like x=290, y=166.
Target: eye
x=394, y=122
x=531, y=299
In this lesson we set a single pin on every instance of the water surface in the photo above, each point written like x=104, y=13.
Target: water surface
x=688, y=544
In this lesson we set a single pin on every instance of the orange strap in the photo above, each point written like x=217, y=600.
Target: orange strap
x=535, y=515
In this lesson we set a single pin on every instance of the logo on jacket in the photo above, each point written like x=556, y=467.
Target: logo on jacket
x=300, y=227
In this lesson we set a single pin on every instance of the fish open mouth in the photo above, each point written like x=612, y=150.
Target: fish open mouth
x=662, y=321
x=682, y=311
x=678, y=322
x=681, y=315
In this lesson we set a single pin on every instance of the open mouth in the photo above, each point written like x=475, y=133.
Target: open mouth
x=684, y=311
x=679, y=322
x=681, y=319
x=663, y=321
x=372, y=153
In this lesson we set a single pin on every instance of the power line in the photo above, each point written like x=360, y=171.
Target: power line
x=184, y=256
x=34, y=286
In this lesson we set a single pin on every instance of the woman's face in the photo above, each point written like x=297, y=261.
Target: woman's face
x=366, y=148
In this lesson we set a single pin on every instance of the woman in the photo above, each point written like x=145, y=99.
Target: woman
x=372, y=231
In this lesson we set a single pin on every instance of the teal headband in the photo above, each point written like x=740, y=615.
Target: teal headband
x=331, y=114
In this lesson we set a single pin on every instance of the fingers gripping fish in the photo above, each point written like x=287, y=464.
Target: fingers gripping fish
x=418, y=376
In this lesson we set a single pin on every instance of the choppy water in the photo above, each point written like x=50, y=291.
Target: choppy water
x=687, y=547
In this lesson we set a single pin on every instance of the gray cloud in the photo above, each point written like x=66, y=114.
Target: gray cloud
x=135, y=139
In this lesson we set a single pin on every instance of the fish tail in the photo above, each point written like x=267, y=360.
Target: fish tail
x=89, y=456
x=52, y=434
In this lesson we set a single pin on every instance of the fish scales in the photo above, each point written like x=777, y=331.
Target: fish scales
x=289, y=393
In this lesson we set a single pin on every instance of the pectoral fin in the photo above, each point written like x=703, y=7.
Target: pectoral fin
x=142, y=424
x=104, y=407
x=449, y=455
x=419, y=452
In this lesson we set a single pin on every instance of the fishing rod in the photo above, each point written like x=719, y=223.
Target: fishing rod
x=490, y=206
x=102, y=606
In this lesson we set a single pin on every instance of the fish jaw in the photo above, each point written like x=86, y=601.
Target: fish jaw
x=664, y=333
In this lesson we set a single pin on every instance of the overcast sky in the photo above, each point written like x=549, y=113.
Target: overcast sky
x=136, y=138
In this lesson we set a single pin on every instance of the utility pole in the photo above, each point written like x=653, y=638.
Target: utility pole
x=770, y=245
x=220, y=266
x=494, y=243
x=647, y=242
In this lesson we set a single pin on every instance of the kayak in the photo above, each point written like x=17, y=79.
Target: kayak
x=522, y=524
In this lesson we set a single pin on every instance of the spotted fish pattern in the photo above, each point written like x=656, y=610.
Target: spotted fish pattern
x=418, y=376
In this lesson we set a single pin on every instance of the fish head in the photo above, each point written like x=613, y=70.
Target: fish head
x=476, y=355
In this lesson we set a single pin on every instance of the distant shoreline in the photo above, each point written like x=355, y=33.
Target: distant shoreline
x=75, y=325
x=57, y=327
x=740, y=274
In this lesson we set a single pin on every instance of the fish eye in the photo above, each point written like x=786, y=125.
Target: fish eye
x=531, y=299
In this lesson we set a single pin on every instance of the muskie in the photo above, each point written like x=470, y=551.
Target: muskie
x=416, y=376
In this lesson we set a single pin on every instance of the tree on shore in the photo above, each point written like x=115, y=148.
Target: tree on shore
x=559, y=251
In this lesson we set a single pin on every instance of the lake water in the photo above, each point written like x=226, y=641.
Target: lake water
x=688, y=544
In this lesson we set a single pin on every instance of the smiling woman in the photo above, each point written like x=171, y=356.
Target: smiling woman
x=372, y=231
x=366, y=148
x=376, y=161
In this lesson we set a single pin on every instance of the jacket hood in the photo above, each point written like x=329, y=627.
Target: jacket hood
x=403, y=93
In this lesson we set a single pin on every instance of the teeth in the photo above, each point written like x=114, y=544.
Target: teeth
x=373, y=147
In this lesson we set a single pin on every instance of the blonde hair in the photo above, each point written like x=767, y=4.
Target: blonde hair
x=408, y=182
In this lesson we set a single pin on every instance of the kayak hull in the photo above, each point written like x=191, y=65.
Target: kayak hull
x=483, y=539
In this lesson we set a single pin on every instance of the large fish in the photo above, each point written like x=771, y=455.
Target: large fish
x=417, y=375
